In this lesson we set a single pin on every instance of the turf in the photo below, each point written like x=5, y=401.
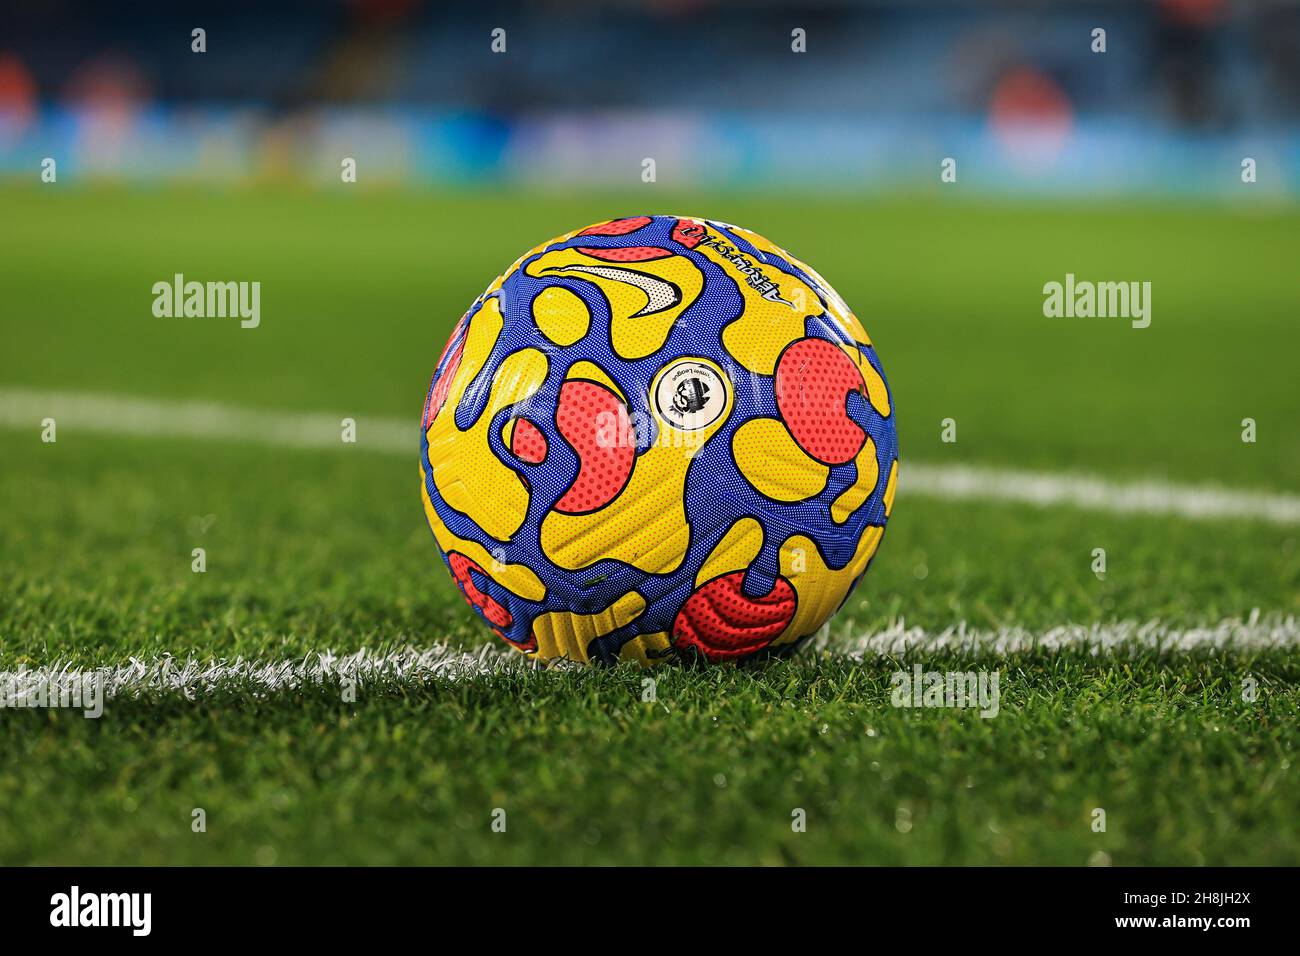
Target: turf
x=316, y=550
x=710, y=773
x=328, y=550
x=360, y=290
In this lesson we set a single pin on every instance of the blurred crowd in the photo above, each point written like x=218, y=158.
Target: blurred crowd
x=460, y=90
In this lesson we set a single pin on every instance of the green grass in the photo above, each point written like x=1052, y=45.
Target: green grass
x=360, y=290
x=710, y=773
x=314, y=550
x=311, y=551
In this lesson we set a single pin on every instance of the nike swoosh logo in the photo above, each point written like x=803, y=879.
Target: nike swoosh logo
x=660, y=294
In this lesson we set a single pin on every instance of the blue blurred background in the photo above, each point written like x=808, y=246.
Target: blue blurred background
x=713, y=92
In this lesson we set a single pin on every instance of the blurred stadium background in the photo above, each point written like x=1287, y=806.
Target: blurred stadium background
x=585, y=91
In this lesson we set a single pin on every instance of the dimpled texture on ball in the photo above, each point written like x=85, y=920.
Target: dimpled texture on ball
x=658, y=437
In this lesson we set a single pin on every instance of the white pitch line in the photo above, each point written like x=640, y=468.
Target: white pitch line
x=1090, y=492
x=115, y=414
x=1255, y=632
x=195, y=678
x=75, y=412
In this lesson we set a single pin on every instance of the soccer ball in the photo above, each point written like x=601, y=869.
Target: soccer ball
x=658, y=437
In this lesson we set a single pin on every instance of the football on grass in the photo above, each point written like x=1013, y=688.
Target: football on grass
x=658, y=437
